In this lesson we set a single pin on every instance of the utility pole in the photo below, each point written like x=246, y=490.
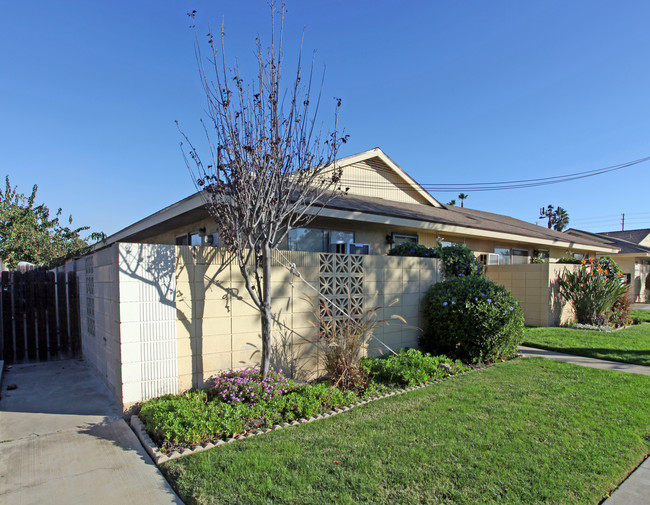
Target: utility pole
x=623, y=221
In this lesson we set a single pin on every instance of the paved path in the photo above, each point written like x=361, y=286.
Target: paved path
x=63, y=442
x=584, y=361
x=635, y=490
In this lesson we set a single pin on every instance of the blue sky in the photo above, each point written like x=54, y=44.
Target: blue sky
x=453, y=92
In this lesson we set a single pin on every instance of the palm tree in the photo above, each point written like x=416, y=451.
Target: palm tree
x=560, y=219
x=462, y=197
x=452, y=202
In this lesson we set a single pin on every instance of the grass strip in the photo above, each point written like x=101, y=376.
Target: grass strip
x=629, y=345
x=528, y=431
x=641, y=315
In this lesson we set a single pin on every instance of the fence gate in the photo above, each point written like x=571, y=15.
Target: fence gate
x=40, y=316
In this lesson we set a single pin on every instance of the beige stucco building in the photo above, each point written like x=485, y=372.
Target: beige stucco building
x=162, y=310
x=384, y=206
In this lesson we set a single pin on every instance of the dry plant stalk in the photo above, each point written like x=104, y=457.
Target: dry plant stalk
x=344, y=336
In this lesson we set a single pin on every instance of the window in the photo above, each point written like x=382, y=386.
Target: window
x=212, y=239
x=519, y=256
x=504, y=255
x=318, y=240
x=580, y=256
x=401, y=238
x=191, y=238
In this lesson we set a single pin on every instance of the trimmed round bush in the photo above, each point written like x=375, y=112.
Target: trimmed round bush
x=459, y=261
x=472, y=319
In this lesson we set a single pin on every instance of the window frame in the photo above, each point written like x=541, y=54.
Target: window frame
x=396, y=238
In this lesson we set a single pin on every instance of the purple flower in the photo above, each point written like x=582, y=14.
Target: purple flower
x=489, y=300
x=444, y=304
x=511, y=308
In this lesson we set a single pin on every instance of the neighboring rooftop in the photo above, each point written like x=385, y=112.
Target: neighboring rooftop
x=625, y=246
x=640, y=236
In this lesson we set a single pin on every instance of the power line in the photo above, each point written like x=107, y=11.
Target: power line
x=488, y=186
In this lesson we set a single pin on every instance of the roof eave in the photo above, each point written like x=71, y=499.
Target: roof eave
x=460, y=230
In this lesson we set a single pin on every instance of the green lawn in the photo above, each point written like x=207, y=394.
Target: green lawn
x=630, y=345
x=527, y=431
x=641, y=315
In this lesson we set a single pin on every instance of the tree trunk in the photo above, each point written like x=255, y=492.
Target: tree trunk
x=265, y=310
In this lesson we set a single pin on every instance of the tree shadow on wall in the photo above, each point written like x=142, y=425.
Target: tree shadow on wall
x=557, y=302
x=183, y=277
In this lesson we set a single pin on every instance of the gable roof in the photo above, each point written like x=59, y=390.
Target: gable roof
x=382, y=178
x=427, y=214
x=625, y=246
x=634, y=236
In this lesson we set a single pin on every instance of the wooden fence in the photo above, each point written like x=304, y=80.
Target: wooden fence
x=40, y=316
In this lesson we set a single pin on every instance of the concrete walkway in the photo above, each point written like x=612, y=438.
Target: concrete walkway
x=531, y=352
x=63, y=441
x=635, y=490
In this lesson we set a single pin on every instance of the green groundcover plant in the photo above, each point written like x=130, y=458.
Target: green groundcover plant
x=410, y=367
x=240, y=401
x=472, y=319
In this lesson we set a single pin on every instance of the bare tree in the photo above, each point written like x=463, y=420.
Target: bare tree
x=271, y=168
x=558, y=218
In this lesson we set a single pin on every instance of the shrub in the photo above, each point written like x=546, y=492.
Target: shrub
x=570, y=261
x=472, y=319
x=409, y=367
x=190, y=418
x=459, y=261
x=413, y=249
x=246, y=387
x=592, y=290
x=620, y=315
x=605, y=266
x=538, y=259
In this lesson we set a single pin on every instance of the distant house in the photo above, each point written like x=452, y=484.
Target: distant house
x=384, y=207
x=633, y=255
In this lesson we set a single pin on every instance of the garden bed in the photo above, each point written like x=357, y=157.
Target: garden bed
x=241, y=404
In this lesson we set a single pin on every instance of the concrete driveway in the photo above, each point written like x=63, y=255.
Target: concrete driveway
x=63, y=441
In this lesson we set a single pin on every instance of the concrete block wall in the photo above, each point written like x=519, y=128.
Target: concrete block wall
x=147, y=321
x=536, y=288
x=218, y=326
x=99, y=303
x=398, y=284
